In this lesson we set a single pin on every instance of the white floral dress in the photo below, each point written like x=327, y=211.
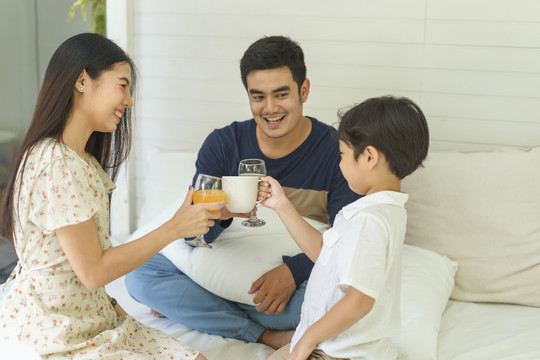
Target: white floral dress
x=48, y=308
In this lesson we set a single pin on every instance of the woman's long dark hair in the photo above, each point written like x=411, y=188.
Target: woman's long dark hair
x=95, y=54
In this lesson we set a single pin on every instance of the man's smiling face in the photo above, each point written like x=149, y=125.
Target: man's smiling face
x=275, y=101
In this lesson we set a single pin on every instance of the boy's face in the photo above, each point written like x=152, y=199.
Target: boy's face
x=353, y=170
x=275, y=101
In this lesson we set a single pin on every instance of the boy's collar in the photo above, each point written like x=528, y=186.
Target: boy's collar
x=378, y=198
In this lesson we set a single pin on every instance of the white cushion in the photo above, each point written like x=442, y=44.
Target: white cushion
x=168, y=174
x=256, y=249
x=427, y=282
x=482, y=210
x=241, y=255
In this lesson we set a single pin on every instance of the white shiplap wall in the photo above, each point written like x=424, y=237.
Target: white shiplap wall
x=472, y=65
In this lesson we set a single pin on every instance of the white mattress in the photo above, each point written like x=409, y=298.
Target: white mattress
x=469, y=331
x=212, y=346
x=474, y=331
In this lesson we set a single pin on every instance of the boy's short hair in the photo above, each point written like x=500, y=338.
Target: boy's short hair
x=273, y=52
x=395, y=126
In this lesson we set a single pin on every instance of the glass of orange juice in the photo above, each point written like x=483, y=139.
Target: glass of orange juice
x=207, y=190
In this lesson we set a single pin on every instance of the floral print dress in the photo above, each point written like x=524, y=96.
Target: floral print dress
x=48, y=308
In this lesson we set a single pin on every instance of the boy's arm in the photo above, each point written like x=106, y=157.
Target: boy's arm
x=306, y=236
x=353, y=307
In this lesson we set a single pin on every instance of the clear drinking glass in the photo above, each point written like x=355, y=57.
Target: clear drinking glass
x=207, y=190
x=252, y=167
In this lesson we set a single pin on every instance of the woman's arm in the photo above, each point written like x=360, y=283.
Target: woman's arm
x=96, y=267
x=353, y=307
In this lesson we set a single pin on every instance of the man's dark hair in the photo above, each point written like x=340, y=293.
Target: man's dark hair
x=395, y=126
x=273, y=52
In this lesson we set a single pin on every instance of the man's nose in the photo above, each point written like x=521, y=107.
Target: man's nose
x=269, y=105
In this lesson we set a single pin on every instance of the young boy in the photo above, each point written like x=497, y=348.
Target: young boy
x=352, y=301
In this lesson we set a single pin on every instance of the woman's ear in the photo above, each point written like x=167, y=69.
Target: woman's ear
x=80, y=84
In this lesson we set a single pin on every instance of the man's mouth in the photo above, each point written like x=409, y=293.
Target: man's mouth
x=274, y=121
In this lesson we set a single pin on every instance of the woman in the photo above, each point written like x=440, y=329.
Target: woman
x=56, y=212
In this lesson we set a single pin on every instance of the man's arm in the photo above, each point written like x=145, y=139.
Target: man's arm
x=350, y=309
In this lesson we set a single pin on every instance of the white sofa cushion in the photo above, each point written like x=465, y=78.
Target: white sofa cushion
x=481, y=209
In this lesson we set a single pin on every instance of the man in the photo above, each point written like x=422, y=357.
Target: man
x=303, y=154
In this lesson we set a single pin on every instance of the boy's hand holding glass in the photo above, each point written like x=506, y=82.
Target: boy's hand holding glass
x=271, y=193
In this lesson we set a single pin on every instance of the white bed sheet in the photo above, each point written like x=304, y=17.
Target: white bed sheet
x=212, y=346
x=480, y=331
x=469, y=331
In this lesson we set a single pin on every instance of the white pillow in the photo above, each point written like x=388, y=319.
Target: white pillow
x=241, y=255
x=168, y=174
x=256, y=249
x=427, y=282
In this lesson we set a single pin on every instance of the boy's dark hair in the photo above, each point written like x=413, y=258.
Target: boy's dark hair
x=395, y=126
x=272, y=52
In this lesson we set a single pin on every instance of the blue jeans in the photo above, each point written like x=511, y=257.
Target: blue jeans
x=163, y=287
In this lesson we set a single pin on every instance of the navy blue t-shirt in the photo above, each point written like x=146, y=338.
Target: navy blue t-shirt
x=310, y=175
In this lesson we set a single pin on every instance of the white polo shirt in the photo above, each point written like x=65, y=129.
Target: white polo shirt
x=362, y=250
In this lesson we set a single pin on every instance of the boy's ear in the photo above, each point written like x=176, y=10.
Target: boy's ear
x=372, y=156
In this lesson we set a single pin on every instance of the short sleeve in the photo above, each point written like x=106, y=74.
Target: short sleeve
x=366, y=271
x=64, y=193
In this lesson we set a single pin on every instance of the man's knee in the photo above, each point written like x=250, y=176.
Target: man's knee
x=140, y=281
x=134, y=285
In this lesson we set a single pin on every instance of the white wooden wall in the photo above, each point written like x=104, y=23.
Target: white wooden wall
x=472, y=65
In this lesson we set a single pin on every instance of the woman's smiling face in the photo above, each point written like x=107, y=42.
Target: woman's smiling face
x=107, y=97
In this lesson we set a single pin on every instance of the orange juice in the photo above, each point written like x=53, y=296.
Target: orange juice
x=208, y=196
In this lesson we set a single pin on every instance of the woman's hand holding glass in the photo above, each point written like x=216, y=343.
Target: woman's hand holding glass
x=207, y=191
x=195, y=219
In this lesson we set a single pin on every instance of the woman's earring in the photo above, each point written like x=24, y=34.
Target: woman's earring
x=81, y=88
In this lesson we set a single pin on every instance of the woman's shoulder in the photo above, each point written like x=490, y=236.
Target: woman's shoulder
x=47, y=151
x=49, y=155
